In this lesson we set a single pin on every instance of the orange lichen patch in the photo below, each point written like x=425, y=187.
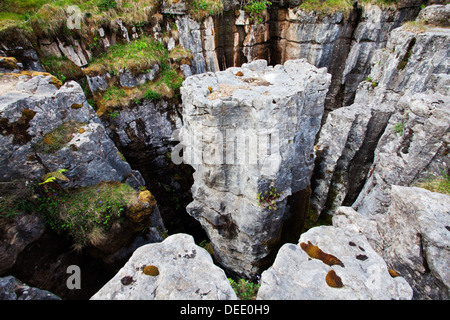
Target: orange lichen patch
x=151, y=271
x=393, y=273
x=333, y=280
x=82, y=130
x=315, y=252
x=143, y=208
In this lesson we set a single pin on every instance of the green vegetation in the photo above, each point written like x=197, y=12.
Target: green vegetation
x=439, y=184
x=52, y=176
x=399, y=127
x=245, y=289
x=46, y=17
x=269, y=198
x=85, y=214
x=199, y=9
x=402, y=64
x=62, y=68
x=140, y=54
x=151, y=95
x=16, y=198
x=105, y=5
x=256, y=9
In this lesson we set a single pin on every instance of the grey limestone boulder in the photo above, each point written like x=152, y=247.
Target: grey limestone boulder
x=174, y=269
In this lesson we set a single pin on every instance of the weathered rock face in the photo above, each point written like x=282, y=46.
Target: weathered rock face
x=45, y=129
x=397, y=130
x=173, y=269
x=412, y=237
x=13, y=289
x=331, y=263
x=370, y=34
x=15, y=236
x=273, y=115
x=144, y=135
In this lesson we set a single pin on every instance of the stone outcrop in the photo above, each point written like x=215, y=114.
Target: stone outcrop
x=45, y=129
x=273, y=115
x=331, y=263
x=396, y=132
x=17, y=235
x=175, y=269
x=413, y=237
x=13, y=289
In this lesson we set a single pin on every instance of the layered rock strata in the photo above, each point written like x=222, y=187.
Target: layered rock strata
x=397, y=130
x=249, y=133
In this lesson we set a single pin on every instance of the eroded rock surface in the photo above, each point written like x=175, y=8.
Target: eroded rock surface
x=249, y=133
x=359, y=273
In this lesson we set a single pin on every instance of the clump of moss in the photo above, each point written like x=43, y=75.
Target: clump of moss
x=333, y=280
x=58, y=137
x=316, y=253
x=151, y=271
x=245, y=289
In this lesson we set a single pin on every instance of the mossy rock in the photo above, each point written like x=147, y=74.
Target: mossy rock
x=143, y=208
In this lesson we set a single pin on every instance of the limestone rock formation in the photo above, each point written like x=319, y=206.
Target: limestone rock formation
x=45, y=128
x=396, y=132
x=331, y=263
x=412, y=237
x=173, y=269
x=273, y=115
x=13, y=289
